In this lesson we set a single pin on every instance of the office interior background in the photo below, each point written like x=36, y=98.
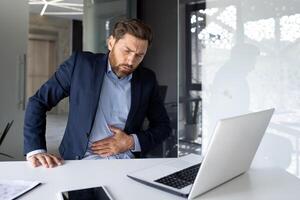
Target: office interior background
x=213, y=59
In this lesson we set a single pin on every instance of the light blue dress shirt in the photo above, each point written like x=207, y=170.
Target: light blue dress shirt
x=113, y=109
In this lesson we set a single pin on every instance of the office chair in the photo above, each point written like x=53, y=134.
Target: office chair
x=6, y=129
x=169, y=147
x=163, y=91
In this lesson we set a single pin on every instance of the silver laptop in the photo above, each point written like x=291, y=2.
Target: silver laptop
x=229, y=154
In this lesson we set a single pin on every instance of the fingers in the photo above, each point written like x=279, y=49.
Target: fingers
x=57, y=160
x=115, y=130
x=103, y=150
x=45, y=159
x=103, y=142
x=34, y=161
x=100, y=147
x=42, y=160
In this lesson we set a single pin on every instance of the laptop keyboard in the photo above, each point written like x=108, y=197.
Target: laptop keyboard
x=181, y=178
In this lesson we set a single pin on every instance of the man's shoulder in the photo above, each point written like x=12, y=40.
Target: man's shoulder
x=84, y=60
x=146, y=73
x=89, y=55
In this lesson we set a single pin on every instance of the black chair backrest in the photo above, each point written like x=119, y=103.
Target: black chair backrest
x=163, y=91
x=5, y=131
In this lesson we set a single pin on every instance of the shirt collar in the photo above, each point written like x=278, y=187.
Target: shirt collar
x=109, y=71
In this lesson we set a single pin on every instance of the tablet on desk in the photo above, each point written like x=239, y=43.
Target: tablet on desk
x=95, y=193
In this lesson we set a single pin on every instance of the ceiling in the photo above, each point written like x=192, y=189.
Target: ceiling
x=71, y=9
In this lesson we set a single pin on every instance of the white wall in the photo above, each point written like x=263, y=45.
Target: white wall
x=255, y=65
x=13, y=37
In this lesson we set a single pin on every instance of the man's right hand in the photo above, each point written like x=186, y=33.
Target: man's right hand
x=45, y=159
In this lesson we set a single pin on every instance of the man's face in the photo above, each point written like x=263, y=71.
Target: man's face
x=126, y=54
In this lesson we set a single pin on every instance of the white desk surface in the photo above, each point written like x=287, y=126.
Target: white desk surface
x=257, y=184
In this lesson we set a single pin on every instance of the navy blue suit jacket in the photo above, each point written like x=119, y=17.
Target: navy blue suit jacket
x=80, y=78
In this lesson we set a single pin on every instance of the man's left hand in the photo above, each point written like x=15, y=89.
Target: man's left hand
x=118, y=143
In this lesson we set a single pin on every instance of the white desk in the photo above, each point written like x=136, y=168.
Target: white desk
x=257, y=184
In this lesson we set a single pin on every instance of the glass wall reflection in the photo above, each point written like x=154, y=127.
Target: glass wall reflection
x=250, y=63
x=247, y=55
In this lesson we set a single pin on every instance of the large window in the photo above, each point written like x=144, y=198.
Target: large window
x=190, y=97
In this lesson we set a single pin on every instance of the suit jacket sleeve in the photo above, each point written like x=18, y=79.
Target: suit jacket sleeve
x=49, y=94
x=159, y=123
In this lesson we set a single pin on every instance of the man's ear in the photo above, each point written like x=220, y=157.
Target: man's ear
x=111, y=42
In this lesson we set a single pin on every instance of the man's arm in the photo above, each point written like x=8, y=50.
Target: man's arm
x=50, y=93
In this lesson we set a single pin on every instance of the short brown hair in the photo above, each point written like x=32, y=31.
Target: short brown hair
x=133, y=27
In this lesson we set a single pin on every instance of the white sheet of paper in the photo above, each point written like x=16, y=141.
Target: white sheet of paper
x=11, y=189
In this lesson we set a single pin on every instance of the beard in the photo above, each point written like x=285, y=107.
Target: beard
x=120, y=69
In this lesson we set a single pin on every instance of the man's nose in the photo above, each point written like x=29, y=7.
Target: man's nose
x=130, y=59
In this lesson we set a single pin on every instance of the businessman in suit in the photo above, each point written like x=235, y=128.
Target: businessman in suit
x=109, y=98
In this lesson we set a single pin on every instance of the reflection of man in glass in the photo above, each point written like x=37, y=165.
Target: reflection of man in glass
x=109, y=95
x=230, y=94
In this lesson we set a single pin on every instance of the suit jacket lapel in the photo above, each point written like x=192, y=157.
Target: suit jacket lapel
x=100, y=66
x=135, y=97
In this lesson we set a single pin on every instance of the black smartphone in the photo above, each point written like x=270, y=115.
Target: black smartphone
x=95, y=193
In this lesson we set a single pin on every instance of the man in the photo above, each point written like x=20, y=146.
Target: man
x=109, y=97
